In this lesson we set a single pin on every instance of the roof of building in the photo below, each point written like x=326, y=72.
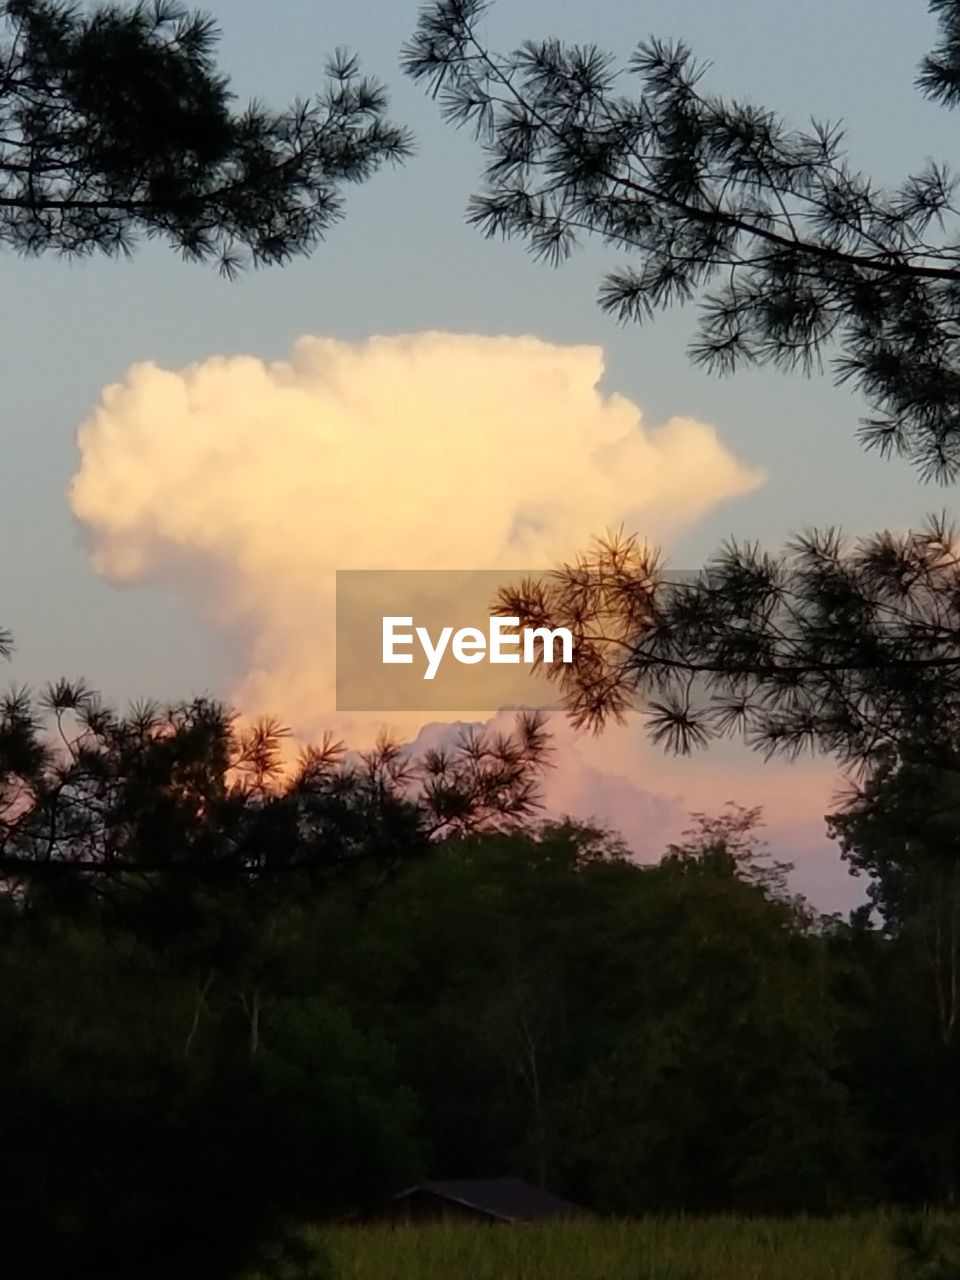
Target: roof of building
x=507, y=1199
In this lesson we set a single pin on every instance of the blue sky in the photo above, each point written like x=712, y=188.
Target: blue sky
x=403, y=261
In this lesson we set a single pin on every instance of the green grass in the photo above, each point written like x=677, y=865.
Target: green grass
x=852, y=1248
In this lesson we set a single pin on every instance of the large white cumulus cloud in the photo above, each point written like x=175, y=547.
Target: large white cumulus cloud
x=249, y=483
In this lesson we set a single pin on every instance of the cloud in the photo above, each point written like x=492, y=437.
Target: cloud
x=247, y=484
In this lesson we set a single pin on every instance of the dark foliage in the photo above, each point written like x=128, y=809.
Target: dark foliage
x=790, y=251
x=87, y=795
x=178, y=1083
x=848, y=649
x=116, y=123
x=194, y=1065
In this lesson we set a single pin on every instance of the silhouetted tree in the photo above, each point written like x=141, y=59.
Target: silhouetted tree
x=644, y=1037
x=729, y=844
x=178, y=1082
x=788, y=247
x=115, y=123
x=186, y=791
x=851, y=650
x=901, y=828
x=790, y=251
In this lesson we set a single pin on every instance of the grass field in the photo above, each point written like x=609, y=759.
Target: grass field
x=855, y=1248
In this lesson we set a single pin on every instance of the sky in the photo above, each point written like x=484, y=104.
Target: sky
x=178, y=534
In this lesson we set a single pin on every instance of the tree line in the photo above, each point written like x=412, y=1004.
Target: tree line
x=239, y=996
